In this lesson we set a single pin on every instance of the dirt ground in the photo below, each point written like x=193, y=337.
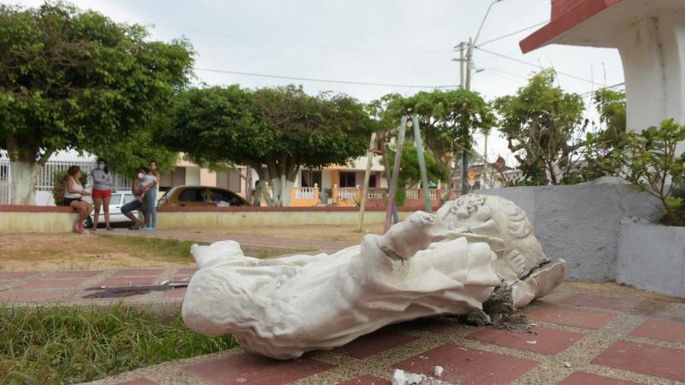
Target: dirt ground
x=30, y=252
x=45, y=252
x=327, y=233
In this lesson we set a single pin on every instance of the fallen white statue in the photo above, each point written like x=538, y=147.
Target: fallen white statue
x=449, y=263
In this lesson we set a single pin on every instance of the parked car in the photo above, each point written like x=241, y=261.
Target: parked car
x=115, y=203
x=195, y=196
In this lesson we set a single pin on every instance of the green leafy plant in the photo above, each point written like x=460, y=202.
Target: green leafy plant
x=649, y=161
x=69, y=344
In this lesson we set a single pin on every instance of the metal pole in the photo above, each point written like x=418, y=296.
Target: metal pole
x=392, y=191
x=427, y=203
x=367, y=176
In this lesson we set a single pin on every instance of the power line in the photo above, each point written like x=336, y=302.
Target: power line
x=305, y=44
x=511, y=34
x=350, y=82
x=534, y=65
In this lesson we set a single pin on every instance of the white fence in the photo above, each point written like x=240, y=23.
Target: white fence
x=5, y=179
x=46, y=178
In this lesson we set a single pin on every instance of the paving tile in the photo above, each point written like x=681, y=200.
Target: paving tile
x=132, y=281
x=581, y=378
x=569, y=316
x=16, y=274
x=247, y=368
x=137, y=273
x=468, y=366
x=539, y=339
x=140, y=381
x=661, y=330
x=375, y=343
x=53, y=284
x=175, y=293
x=644, y=358
x=673, y=312
x=186, y=272
x=73, y=274
x=435, y=325
x=31, y=296
x=603, y=302
x=366, y=380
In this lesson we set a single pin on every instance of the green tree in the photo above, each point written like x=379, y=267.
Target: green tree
x=650, y=160
x=545, y=130
x=77, y=80
x=280, y=128
x=606, y=146
x=410, y=174
x=448, y=119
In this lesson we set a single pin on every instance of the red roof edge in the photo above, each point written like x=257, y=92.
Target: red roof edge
x=571, y=18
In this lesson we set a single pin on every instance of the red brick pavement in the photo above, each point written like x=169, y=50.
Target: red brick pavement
x=608, y=340
x=466, y=366
x=248, y=368
x=580, y=378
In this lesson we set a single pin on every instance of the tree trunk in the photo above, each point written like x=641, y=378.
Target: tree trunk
x=24, y=178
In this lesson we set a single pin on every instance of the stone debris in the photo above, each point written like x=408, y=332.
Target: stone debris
x=437, y=371
x=400, y=377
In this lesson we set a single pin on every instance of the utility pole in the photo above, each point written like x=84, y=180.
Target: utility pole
x=462, y=84
x=466, y=84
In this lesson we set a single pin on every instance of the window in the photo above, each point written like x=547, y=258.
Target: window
x=229, y=179
x=373, y=179
x=174, y=178
x=348, y=179
x=311, y=177
x=226, y=196
x=190, y=195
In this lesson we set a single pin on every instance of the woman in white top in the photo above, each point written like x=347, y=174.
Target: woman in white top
x=73, y=193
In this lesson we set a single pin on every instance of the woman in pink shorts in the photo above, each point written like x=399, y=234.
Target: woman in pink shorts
x=102, y=191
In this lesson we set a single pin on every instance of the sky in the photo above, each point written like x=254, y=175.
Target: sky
x=405, y=46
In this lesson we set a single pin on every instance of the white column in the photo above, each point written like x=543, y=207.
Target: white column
x=653, y=55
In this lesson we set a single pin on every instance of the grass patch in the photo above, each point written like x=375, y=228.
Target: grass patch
x=65, y=345
x=175, y=250
x=171, y=250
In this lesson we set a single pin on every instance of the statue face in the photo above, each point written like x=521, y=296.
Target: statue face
x=497, y=218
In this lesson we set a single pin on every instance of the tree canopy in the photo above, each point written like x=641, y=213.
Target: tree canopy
x=544, y=128
x=280, y=128
x=77, y=80
x=448, y=119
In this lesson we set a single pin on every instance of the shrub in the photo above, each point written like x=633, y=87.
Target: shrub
x=649, y=161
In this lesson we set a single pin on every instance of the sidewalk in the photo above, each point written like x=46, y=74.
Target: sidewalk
x=584, y=334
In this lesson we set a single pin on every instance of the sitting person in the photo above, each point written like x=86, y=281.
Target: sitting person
x=73, y=194
x=138, y=203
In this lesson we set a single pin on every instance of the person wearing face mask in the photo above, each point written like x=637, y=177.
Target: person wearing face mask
x=102, y=191
x=149, y=185
x=151, y=197
x=138, y=202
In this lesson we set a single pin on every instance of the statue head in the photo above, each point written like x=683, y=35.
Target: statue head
x=501, y=222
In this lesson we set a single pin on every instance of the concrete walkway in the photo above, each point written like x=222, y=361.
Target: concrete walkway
x=584, y=334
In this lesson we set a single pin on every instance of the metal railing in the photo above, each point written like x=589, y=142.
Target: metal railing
x=46, y=177
x=5, y=180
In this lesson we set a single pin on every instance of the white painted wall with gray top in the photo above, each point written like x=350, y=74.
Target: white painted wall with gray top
x=582, y=223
